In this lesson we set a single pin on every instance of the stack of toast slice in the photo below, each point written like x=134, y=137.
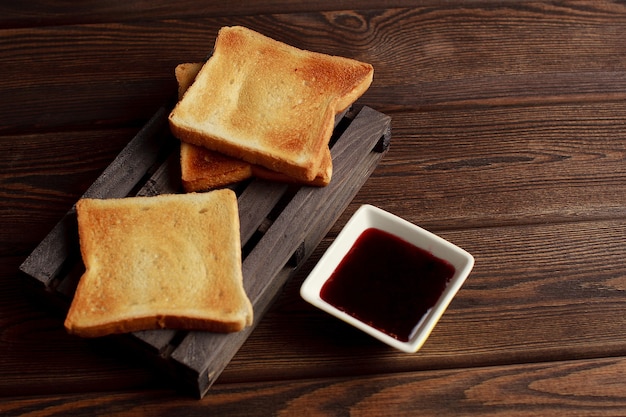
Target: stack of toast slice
x=202, y=169
x=265, y=103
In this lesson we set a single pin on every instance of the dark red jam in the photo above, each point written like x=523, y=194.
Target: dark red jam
x=387, y=283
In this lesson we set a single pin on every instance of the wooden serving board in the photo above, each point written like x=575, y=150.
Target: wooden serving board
x=281, y=225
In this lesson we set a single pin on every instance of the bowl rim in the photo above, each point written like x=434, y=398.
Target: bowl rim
x=367, y=216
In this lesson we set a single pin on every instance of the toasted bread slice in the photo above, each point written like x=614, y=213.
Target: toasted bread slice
x=171, y=261
x=203, y=169
x=185, y=75
x=268, y=103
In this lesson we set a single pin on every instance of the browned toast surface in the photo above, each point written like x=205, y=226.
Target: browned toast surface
x=169, y=261
x=202, y=169
x=268, y=103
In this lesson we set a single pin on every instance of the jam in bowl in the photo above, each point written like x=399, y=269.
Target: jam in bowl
x=387, y=277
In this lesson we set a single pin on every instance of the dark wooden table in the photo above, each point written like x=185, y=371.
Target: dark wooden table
x=509, y=139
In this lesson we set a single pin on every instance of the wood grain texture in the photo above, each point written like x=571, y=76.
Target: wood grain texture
x=47, y=13
x=578, y=388
x=49, y=168
x=513, y=165
x=524, y=54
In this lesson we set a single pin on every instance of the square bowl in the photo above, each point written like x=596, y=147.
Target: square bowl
x=341, y=253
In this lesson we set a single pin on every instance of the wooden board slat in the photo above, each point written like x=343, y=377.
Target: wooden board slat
x=278, y=221
x=310, y=211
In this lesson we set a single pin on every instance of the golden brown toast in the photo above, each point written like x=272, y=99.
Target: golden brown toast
x=202, y=169
x=268, y=103
x=185, y=75
x=171, y=261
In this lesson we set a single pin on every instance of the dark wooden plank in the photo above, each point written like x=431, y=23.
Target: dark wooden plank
x=585, y=387
x=38, y=13
x=520, y=54
x=255, y=203
x=46, y=13
x=42, y=176
x=165, y=179
x=512, y=165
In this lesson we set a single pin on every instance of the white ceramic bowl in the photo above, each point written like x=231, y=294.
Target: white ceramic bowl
x=366, y=217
